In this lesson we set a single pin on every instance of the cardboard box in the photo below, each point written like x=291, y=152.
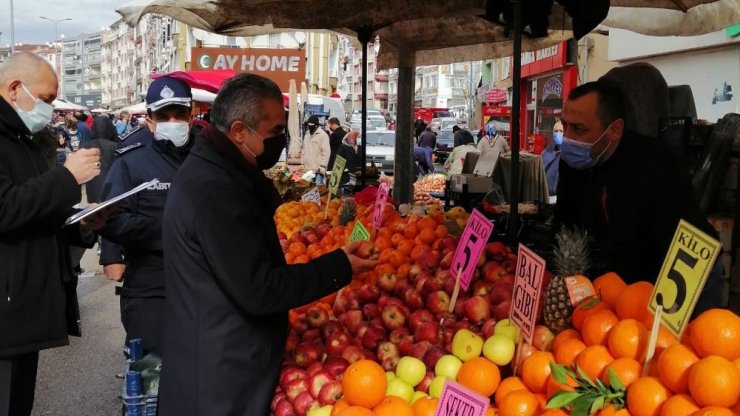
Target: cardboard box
x=724, y=226
x=477, y=172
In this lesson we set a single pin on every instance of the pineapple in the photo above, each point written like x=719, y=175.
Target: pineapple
x=348, y=212
x=570, y=258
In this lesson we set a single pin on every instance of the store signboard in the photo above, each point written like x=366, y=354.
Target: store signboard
x=544, y=60
x=687, y=265
x=280, y=65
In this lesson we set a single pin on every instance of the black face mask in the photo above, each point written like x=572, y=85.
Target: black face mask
x=273, y=147
x=312, y=129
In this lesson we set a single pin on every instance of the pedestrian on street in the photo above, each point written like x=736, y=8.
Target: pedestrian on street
x=316, y=147
x=137, y=226
x=83, y=130
x=348, y=150
x=493, y=140
x=228, y=287
x=38, y=302
x=335, y=139
x=123, y=124
x=551, y=158
x=454, y=163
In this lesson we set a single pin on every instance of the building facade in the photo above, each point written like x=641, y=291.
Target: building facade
x=82, y=79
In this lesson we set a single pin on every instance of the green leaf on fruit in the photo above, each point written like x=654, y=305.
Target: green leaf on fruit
x=562, y=399
x=614, y=380
x=598, y=404
x=559, y=373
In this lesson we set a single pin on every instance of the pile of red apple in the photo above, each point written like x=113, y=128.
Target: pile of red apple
x=389, y=319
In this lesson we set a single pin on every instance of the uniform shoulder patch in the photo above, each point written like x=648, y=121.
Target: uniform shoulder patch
x=121, y=151
x=125, y=136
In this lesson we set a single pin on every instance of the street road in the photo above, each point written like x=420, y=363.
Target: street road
x=80, y=379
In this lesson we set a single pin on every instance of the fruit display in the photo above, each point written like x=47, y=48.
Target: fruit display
x=387, y=343
x=427, y=184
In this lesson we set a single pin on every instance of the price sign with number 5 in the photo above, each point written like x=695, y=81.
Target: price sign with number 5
x=473, y=240
x=687, y=265
x=380, y=201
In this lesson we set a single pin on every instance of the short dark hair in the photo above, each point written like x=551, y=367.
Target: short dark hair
x=333, y=120
x=455, y=129
x=612, y=103
x=466, y=137
x=241, y=99
x=81, y=117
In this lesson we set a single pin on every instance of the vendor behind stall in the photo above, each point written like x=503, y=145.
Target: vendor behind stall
x=454, y=163
x=627, y=190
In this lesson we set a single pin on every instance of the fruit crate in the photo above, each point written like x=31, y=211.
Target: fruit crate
x=139, y=392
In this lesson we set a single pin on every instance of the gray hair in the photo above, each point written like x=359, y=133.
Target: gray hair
x=241, y=99
x=25, y=66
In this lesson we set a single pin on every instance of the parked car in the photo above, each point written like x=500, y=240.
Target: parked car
x=445, y=144
x=443, y=123
x=378, y=122
x=380, y=147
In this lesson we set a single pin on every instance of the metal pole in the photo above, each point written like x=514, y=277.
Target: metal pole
x=12, y=29
x=363, y=35
x=515, y=127
x=470, y=96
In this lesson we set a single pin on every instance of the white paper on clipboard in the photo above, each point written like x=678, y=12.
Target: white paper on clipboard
x=93, y=209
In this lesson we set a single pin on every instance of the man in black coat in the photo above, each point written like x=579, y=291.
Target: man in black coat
x=37, y=284
x=137, y=226
x=335, y=139
x=228, y=288
x=628, y=191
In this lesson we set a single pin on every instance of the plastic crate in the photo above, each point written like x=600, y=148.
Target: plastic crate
x=143, y=405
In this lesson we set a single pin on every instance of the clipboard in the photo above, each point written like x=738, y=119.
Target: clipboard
x=93, y=209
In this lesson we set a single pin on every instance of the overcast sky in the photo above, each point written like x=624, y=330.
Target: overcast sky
x=87, y=16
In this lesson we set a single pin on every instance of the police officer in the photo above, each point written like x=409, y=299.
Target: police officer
x=137, y=226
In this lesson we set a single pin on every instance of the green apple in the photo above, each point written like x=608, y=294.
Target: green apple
x=418, y=395
x=508, y=328
x=448, y=366
x=411, y=370
x=399, y=388
x=436, y=386
x=466, y=344
x=499, y=348
x=390, y=375
x=321, y=411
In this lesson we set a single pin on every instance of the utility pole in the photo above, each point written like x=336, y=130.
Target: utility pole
x=57, y=51
x=12, y=29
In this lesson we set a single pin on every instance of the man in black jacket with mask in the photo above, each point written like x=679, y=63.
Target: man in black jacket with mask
x=628, y=191
x=38, y=299
x=137, y=226
x=335, y=139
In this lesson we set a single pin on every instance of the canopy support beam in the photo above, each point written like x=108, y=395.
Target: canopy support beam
x=364, y=34
x=515, y=128
x=403, y=170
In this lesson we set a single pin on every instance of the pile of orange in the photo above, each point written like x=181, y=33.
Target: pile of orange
x=699, y=373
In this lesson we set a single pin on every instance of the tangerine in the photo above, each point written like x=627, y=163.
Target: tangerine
x=553, y=386
x=297, y=248
x=610, y=410
x=393, y=406
x=626, y=369
x=714, y=411
x=568, y=350
x=563, y=335
x=519, y=403
x=427, y=223
x=593, y=360
x=427, y=236
x=535, y=370
x=411, y=231
x=673, y=367
x=425, y=406
x=406, y=247
x=633, y=301
x=716, y=332
x=608, y=286
x=714, y=381
x=355, y=411
x=479, y=375
x=364, y=383
x=679, y=405
x=339, y=405
x=628, y=339
x=645, y=396
x=508, y=385
x=553, y=412
x=585, y=308
x=596, y=327
x=383, y=243
x=441, y=231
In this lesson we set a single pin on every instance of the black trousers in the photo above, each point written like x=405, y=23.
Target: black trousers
x=144, y=318
x=18, y=384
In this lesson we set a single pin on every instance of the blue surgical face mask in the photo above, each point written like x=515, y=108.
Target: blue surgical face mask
x=557, y=137
x=578, y=155
x=38, y=117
